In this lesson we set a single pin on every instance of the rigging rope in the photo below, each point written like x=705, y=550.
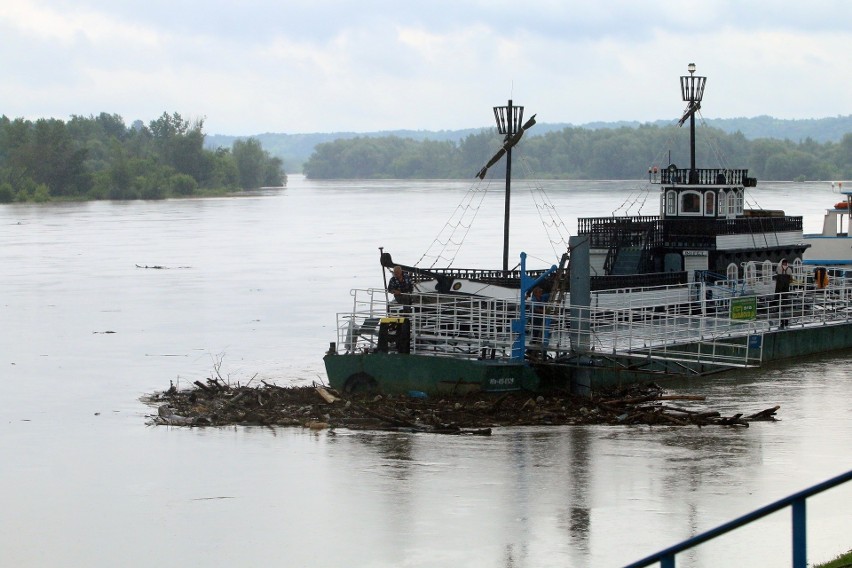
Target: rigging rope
x=447, y=244
x=645, y=191
x=451, y=237
x=547, y=213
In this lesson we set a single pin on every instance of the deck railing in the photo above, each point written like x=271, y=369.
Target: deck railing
x=699, y=326
x=705, y=176
x=696, y=232
x=797, y=504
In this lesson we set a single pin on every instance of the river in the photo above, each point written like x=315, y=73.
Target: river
x=104, y=302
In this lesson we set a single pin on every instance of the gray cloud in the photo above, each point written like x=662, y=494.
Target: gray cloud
x=304, y=66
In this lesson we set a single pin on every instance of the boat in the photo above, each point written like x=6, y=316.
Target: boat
x=832, y=246
x=690, y=291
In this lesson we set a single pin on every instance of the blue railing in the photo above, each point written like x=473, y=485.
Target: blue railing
x=666, y=557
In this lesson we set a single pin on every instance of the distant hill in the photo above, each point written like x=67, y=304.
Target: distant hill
x=295, y=149
x=820, y=130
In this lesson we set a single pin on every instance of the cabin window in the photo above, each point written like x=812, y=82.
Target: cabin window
x=690, y=202
x=767, y=272
x=671, y=203
x=797, y=268
x=732, y=272
x=750, y=273
x=723, y=203
x=739, y=204
x=732, y=204
x=709, y=203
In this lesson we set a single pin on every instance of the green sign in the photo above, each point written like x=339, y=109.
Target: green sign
x=744, y=308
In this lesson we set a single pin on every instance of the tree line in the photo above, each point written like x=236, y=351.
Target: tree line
x=581, y=153
x=99, y=157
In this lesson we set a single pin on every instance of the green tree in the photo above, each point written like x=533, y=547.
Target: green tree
x=248, y=155
x=273, y=172
x=256, y=168
x=98, y=157
x=55, y=161
x=842, y=157
x=182, y=184
x=762, y=151
x=7, y=193
x=223, y=168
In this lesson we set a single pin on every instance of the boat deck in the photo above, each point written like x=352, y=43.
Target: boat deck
x=720, y=329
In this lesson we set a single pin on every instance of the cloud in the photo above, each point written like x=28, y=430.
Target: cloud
x=318, y=66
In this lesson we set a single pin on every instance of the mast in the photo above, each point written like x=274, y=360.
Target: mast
x=692, y=90
x=509, y=125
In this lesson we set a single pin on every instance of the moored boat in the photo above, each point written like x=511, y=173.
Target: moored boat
x=832, y=246
x=689, y=291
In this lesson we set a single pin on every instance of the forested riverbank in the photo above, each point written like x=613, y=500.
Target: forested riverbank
x=99, y=157
x=579, y=153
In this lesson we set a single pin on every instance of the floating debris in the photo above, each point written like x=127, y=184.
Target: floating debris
x=317, y=407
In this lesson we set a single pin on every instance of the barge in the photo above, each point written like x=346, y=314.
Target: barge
x=690, y=291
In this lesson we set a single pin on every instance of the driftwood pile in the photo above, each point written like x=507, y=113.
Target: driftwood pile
x=217, y=403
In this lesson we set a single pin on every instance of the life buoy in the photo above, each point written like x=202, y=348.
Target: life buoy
x=841, y=205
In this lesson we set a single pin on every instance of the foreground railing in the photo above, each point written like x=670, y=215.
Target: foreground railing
x=796, y=502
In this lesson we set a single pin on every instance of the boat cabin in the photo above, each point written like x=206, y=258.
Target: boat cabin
x=832, y=246
x=702, y=227
x=708, y=193
x=832, y=222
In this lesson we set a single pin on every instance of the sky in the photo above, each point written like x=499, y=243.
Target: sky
x=305, y=66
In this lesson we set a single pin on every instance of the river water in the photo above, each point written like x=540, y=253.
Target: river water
x=249, y=287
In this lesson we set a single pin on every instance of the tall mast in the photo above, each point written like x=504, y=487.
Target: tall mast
x=692, y=90
x=509, y=120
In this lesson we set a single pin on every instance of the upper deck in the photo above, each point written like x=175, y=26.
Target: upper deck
x=692, y=233
x=705, y=176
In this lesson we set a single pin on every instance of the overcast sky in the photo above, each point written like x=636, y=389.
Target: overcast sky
x=299, y=66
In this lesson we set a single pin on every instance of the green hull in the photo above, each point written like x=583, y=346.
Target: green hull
x=394, y=373
x=797, y=342
x=604, y=373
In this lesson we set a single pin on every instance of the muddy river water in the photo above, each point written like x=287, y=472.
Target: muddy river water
x=101, y=303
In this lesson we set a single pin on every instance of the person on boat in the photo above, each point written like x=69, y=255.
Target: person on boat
x=782, y=286
x=783, y=277
x=539, y=296
x=538, y=301
x=401, y=285
x=820, y=278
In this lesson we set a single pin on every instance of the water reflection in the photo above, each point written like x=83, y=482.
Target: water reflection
x=394, y=452
x=579, y=465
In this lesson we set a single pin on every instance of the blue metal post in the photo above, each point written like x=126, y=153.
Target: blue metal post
x=800, y=536
x=519, y=326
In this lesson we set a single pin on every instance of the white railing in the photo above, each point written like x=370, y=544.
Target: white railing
x=690, y=323
x=440, y=324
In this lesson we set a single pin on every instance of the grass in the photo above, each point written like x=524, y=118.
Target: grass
x=842, y=561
